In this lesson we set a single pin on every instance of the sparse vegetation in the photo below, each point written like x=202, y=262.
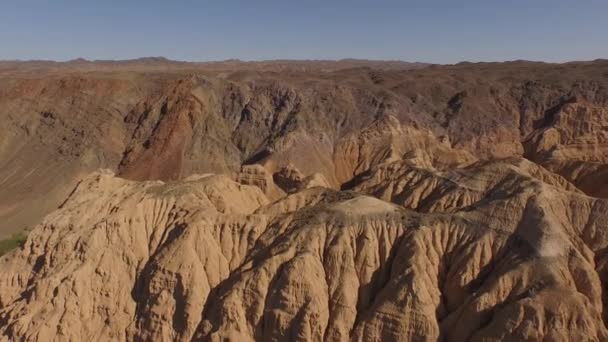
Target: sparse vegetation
x=15, y=241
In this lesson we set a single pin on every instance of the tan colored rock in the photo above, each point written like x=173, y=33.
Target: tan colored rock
x=575, y=145
x=315, y=180
x=388, y=141
x=258, y=176
x=113, y=272
x=208, y=258
x=288, y=178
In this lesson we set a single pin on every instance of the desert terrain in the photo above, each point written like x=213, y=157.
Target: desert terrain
x=304, y=200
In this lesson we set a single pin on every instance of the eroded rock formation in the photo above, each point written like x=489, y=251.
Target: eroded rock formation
x=353, y=204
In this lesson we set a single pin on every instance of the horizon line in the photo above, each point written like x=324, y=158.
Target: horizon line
x=161, y=59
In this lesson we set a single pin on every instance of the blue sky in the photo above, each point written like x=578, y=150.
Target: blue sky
x=438, y=31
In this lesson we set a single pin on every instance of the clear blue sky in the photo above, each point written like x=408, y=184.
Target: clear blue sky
x=439, y=31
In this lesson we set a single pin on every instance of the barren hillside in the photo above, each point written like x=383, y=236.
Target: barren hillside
x=311, y=200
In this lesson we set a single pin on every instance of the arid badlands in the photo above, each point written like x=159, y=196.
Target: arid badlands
x=304, y=201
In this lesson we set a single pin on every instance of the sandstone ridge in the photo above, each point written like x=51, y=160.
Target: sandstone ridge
x=210, y=258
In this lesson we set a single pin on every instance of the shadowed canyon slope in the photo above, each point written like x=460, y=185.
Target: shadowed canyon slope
x=304, y=201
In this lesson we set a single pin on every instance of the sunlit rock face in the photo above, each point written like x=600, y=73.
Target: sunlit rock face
x=234, y=202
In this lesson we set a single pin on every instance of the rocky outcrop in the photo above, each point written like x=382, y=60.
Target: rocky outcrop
x=484, y=256
x=135, y=263
x=257, y=175
x=445, y=191
x=288, y=178
x=574, y=143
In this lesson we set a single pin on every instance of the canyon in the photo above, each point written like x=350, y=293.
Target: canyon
x=304, y=200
